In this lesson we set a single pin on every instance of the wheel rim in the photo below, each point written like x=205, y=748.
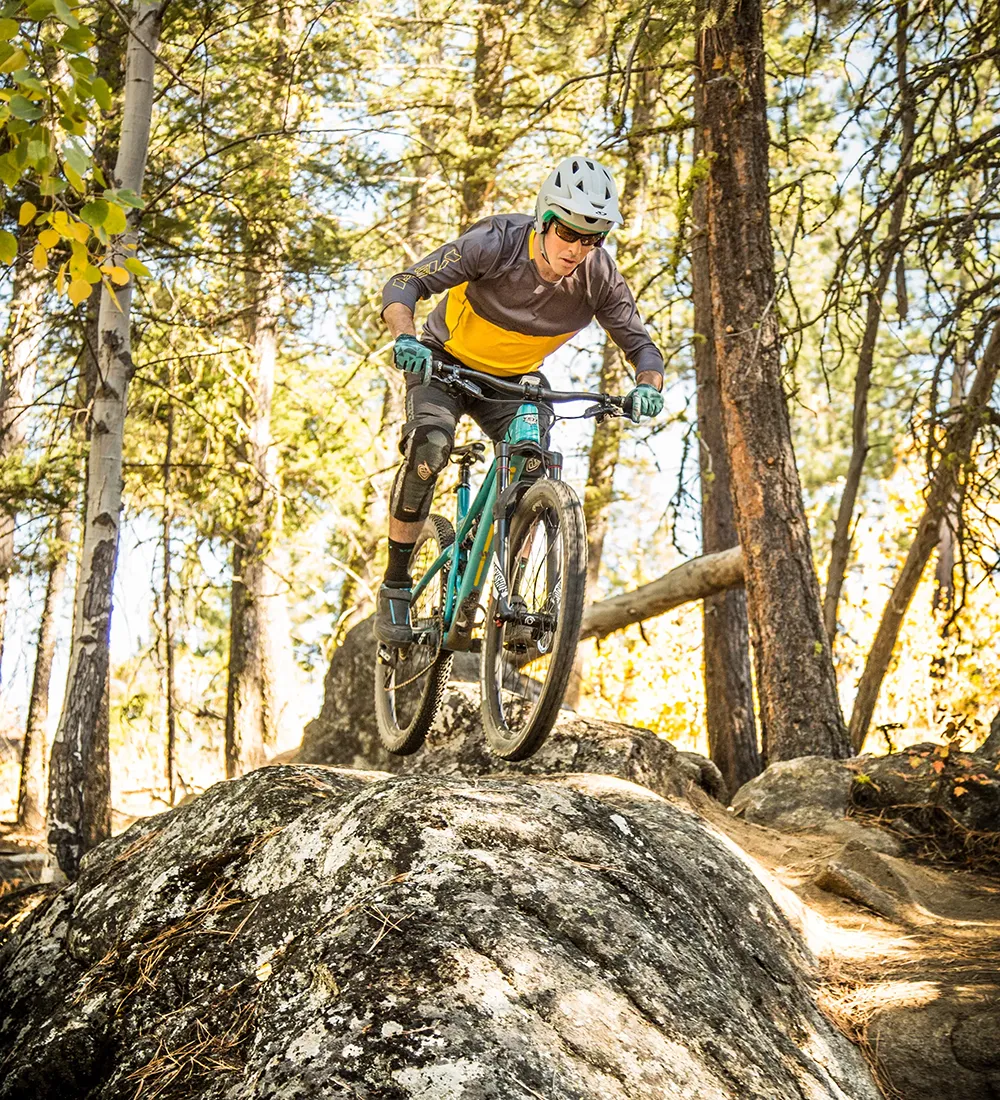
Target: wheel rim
x=523, y=656
x=407, y=669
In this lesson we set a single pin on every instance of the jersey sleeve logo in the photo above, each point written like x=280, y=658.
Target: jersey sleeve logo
x=432, y=267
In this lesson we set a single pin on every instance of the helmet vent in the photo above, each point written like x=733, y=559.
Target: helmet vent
x=590, y=164
x=580, y=186
x=607, y=193
x=576, y=166
x=558, y=179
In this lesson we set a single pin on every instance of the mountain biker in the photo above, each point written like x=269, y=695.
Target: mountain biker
x=518, y=288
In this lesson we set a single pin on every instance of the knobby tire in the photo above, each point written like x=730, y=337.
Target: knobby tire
x=410, y=684
x=523, y=686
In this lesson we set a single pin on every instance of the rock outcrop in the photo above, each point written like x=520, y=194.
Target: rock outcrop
x=930, y=799
x=345, y=735
x=304, y=932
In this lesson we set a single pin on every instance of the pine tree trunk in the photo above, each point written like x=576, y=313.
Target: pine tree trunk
x=954, y=457
x=24, y=331
x=729, y=709
x=79, y=811
x=798, y=690
x=486, y=140
x=168, y=611
x=251, y=704
x=34, y=753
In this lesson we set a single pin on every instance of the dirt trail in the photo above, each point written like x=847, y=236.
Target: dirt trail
x=907, y=952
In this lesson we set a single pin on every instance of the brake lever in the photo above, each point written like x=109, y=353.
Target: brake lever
x=468, y=387
x=600, y=413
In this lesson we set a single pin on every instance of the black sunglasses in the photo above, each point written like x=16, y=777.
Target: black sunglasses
x=589, y=240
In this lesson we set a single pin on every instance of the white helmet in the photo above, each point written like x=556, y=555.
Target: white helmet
x=580, y=192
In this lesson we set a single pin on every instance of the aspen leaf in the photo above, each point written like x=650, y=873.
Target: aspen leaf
x=24, y=109
x=8, y=246
x=95, y=213
x=959, y=791
x=9, y=171
x=39, y=258
x=263, y=972
x=39, y=10
x=16, y=61
x=938, y=766
x=76, y=40
x=8, y=28
x=115, y=221
x=79, y=232
x=61, y=278
x=91, y=274
x=76, y=156
x=126, y=197
x=27, y=79
x=83, y=66
x=60, y=219
x=75, y=179
x=64, y=15
x=102, y=93
x=914, y=761
x=111, y=294
x=137, y=267
x=26, y=213
x=118, y=275
x=79, y=291
x=49, y=238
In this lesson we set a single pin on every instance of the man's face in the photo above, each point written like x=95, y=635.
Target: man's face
x=564, y=257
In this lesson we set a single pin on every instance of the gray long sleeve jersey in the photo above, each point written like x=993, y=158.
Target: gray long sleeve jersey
x=500, y=316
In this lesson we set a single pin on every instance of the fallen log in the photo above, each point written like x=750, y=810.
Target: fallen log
x=694, y=580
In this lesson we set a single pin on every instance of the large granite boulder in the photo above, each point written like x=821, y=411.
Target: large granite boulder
x=345, y=735
x=308, y=933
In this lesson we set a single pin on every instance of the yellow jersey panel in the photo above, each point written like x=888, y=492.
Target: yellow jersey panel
x=487, y=347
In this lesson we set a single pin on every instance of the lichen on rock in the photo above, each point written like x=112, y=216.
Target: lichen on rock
x=306, y=932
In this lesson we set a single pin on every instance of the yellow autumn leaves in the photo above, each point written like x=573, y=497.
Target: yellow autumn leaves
x=76, y=276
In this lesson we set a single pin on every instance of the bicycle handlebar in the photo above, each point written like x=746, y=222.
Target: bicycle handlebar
x=533, y=391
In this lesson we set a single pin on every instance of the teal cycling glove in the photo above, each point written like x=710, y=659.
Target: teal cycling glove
x=644, y=400
x=413, y=357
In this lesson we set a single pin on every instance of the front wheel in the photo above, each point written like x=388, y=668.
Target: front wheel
x=410, y=681
x=526, y=667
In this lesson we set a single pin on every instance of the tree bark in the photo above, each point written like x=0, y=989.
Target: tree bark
x=798, y=690
x=944, y=572
x=697, y=579
x=79, y=811
x=729, y=707
x=485, y=136
x=34, y=753
x=168, y=612
x=24, y=331
x=251, y=703
x=955, y=456
x=841, y=547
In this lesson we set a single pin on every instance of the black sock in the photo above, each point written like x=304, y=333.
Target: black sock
x=398, y=572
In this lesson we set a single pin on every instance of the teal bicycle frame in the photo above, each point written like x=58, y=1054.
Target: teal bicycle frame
x=468, y=568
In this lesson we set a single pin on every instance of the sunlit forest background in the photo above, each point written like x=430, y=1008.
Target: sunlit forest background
x=313, y=150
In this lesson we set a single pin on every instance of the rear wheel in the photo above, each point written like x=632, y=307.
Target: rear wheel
x=526, y=667
x=410, y=681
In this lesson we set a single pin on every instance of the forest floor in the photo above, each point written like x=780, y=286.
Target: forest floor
x=938, y=930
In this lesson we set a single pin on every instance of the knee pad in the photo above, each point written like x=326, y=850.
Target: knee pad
x=427, y=452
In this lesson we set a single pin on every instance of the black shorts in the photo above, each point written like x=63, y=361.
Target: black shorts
x=437, y=406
